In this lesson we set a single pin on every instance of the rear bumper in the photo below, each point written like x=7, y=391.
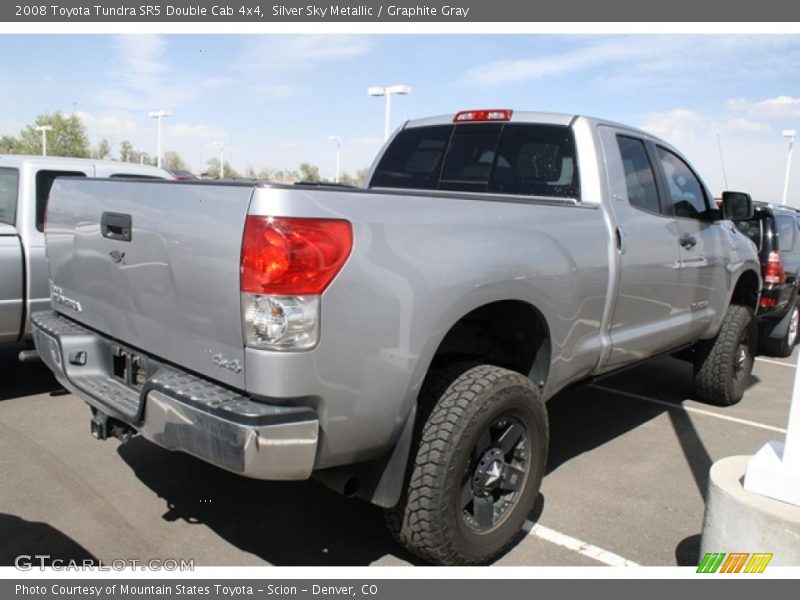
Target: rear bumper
x=178, y=410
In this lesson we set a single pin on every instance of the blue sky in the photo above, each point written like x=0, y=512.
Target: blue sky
x=275, y=99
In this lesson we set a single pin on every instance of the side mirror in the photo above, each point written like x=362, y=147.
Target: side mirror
x=737, y=206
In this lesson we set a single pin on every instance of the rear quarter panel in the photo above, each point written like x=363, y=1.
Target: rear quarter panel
x=418, y=265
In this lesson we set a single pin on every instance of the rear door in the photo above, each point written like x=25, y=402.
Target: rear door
x=11, y=271
x=647, y=251
x=154, y=265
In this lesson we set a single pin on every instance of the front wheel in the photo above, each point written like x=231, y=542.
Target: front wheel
x=478, y=466
x=723, y=364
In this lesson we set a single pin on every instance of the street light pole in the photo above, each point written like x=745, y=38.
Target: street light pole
x=159, y=114
x=338, y=141
x=221, y=159
x=387, y=91
x=44, y=129
x=387, y=117
x=788, y=133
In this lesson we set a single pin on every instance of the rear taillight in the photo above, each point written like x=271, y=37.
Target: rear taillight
x=774, y=274
x=765, y=302
x=494, y=114
x=288, y=256
x=286, y=264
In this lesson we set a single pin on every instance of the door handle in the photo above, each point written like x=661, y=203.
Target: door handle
x=687, y=241
x=621, y=245
x=116, y=226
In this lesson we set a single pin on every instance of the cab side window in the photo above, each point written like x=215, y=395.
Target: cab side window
x=684, y=191
x=640, y=181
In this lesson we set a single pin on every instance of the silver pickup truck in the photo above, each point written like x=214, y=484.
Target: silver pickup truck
x=398, y=341
x=25, y=183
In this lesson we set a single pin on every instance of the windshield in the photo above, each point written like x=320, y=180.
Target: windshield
x=500, y=158
x=8, y=195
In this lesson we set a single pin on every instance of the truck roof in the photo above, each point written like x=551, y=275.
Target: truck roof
x=19, y=160
x=546, y=118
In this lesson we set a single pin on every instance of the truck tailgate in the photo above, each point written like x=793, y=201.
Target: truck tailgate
x=172, y=289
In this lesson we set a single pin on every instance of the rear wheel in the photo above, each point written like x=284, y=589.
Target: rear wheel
x=784, y=346
x=479, y=463
x=723, y=365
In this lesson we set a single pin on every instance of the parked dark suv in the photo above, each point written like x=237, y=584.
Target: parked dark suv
x=775, y=230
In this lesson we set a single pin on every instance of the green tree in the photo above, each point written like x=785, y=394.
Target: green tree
x=285, y=176
x=67, y=138
x=309, y=172
x=126, y=151
x=357, y=179
x=102, y=151
x=9, y=145
x=144, y=158
x=361, y=176
x=173, y=160
x=212, y=170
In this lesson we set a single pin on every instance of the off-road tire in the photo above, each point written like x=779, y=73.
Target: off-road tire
x=721, y=373
x=781, y=347
x=456, y=405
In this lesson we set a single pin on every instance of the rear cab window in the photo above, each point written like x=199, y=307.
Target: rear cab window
x=44, y=182
x=9, y=189
x=499, y=158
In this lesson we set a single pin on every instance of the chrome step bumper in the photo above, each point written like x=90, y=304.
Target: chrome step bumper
x=179, y=410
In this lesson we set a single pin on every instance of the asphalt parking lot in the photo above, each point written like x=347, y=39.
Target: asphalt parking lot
x=626, y=481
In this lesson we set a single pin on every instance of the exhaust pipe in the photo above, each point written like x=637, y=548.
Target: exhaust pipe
x=340, y=481
x=29, y=356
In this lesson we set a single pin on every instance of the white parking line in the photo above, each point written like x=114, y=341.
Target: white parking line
x=775, y=362
x=579, y=546
x=692, y=409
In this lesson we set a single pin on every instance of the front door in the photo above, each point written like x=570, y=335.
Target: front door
x=701, y=284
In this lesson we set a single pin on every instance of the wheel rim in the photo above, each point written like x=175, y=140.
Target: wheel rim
x=496, y=474
x=742, y=358
x=791, y=336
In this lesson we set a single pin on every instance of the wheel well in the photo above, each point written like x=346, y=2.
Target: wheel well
x=508, y=333
x=746, y=290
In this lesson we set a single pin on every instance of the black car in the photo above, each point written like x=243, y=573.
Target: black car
x=775, y=230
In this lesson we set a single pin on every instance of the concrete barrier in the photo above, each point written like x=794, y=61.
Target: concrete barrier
x=740, y=521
